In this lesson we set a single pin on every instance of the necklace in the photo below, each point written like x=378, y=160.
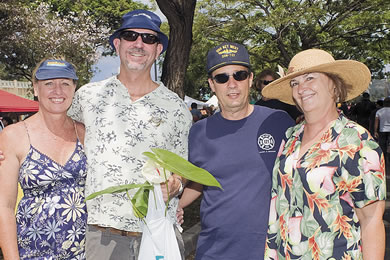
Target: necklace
x=308, y=144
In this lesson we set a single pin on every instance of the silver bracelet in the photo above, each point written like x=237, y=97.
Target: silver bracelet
x=181, y=185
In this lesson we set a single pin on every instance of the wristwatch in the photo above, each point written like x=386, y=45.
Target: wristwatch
x=181, y=185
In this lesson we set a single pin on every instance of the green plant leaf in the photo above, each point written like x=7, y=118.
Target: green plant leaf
x=178, y=165
x=140, y=201
x=120, y=188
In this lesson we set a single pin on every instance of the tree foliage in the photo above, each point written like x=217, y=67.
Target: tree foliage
x=78, y=30
x=103, y=13
x=275, y=30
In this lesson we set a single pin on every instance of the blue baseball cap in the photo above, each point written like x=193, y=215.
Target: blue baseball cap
x=141, y=19
x=55, y=69
x=227, y=53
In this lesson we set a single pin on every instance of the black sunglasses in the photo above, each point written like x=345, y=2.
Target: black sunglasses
x=132, y=36
x=266, y=82
x=238, y=75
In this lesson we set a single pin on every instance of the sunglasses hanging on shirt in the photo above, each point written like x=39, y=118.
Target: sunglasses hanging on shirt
x=238, y=75
x=132, y=36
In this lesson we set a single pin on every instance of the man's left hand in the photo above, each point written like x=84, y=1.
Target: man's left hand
x=174, y=187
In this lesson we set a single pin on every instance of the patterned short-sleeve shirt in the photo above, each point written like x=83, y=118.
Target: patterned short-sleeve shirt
x=118, y=131
x=312, y=212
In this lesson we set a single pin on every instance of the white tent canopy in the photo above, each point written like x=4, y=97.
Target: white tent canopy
x=189, y=100
x=212, y=101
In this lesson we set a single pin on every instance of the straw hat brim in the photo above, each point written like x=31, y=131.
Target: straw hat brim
x=352, y=72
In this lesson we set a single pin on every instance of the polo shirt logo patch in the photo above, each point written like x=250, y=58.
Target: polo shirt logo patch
x=266, y=142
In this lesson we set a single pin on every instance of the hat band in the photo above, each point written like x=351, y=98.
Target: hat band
x=229, y=63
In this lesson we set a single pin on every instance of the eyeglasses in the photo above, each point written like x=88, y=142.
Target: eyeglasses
x=266, y=82
x=132, y=36
x=238, y=75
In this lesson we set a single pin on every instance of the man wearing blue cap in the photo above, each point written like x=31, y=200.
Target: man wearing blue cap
x=238, y=146
x=124, y=116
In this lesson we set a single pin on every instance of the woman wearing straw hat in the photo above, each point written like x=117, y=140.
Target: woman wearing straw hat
x=328, y=187
x=45, y=155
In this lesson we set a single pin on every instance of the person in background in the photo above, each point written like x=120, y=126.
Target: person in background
x=344, y=108
x=238, y=146
x=195, y=112
x=362, y=110
x=328, y=185
x=263, y=79
x=379, y=105
x=45, y=154
x=382, y=127
x=124, y=116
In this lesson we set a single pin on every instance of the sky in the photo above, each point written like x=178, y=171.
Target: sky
x=109, y=65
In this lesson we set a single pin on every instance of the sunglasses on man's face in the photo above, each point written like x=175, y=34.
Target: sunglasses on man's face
x=238, y=75
x=132, y=36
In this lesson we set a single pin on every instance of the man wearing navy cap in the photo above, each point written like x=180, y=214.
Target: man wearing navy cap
x=124, y=116
x=238, y=146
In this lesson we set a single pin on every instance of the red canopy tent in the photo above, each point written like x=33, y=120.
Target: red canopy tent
x=13, y=103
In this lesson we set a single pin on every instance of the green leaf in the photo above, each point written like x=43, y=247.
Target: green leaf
x=120, y=188
x=140, y=201
x=176, y=164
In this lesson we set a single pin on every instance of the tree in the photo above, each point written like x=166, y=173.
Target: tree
x=34, y=34
x=103, y=13
x=79, y=30
x=275, y=30
x=180, y=15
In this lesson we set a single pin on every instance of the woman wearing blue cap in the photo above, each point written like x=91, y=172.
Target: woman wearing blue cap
x=45, y=155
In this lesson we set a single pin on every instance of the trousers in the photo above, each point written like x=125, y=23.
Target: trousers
x=104, y=245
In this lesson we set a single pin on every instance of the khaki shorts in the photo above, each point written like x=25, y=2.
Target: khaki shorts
x=105, y=245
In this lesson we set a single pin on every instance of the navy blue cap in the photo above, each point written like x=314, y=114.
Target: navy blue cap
x=141, y=19
x=55, y=69
x=227, y=53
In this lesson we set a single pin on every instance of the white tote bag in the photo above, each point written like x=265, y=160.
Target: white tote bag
x=158, y=236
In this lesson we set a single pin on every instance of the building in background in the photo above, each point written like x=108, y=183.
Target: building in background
x=19, y=88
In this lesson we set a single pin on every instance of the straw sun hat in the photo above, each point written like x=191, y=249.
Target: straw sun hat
x=352, y=72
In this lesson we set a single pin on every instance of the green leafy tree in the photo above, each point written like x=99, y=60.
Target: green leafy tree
x=52, y=31
x=103, y=13
x=274, y=31
x=79, y=30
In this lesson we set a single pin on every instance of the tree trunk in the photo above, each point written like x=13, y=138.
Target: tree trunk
x=180, y=15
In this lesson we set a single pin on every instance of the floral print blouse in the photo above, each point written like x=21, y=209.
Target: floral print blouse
x=312, y=211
